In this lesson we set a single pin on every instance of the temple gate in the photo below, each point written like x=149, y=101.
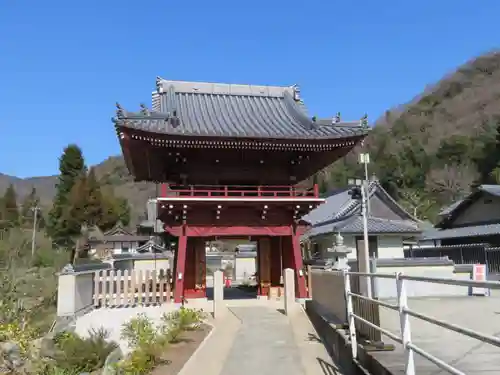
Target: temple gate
x=232, y=161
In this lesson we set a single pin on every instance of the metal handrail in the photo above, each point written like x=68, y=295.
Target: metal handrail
x=404, y=313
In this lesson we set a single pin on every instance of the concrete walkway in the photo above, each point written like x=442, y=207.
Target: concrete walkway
x=254, y=337
x=264, y=344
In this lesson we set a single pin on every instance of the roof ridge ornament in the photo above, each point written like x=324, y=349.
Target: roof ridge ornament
x=144, y=110
x=296, y=93
x=336, y=119
x=120, y=113
x=364, y=122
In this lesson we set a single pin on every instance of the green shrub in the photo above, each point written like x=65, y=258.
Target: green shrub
x=79, y=354
x=148, y=342
x=179, y=321
x=139, y=331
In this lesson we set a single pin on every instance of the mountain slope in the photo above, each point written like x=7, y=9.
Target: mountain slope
x=431, y=150
x=426, y=153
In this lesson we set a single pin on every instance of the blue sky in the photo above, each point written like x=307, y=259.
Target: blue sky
x=63, y=64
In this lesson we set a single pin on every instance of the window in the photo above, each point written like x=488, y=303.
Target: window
x=125, y=247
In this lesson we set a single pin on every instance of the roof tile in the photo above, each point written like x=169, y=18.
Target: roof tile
x=207, y=109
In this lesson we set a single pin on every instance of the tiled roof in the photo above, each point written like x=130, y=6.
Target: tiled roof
x=354, y=225
x=228, y=110
x=448, y=209
x=490, y=189
x=341, y=213
x=332, y=209
x=472, y=231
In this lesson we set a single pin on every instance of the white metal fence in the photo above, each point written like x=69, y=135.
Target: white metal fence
x=405, y=313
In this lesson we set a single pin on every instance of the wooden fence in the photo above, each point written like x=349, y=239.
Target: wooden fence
x=131, y=288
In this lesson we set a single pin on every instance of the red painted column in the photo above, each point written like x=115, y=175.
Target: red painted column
x=180, y=266
x=300, y=280
x=275, y=261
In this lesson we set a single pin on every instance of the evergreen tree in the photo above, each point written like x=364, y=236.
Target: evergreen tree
x=10, y=209
x=114, y=210
x=94, y=204
x=122, y=209
x=71, y=168
x=75, y=215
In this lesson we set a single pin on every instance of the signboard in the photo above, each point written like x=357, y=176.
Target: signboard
x=479, y=273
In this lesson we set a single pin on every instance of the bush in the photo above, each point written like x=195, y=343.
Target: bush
x=150, y=341
x=19, y=334
x=77, y=354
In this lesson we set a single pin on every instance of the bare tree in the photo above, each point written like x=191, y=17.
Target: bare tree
x=415, y=201
x=452, y=181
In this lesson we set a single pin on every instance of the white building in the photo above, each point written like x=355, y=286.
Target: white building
x=389, y=225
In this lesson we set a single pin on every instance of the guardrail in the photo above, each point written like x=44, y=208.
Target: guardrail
x=404, y=314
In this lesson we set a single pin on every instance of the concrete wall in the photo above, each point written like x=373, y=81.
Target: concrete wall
x=390, y=247
x=328, y=293
x=328, y=286
x=151, y=265
x=386, y=288
x=75, y=293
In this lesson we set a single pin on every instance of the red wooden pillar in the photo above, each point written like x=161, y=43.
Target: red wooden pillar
x=194, y=281
x=264, y=260
x=300, y=280
x=180, y=266
x=275, y=261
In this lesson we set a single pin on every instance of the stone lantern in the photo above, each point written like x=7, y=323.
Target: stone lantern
x=337, y=255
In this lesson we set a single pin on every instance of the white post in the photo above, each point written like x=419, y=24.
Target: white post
x=289, y=300
x=350, y=318
x=366, y=248
x=405, y=324
x=219, y=305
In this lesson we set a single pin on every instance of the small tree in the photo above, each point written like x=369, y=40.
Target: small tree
x=94, y=202
x=10, y=209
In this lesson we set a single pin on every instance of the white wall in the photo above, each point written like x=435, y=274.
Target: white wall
x=388, y=246
x=117, y=247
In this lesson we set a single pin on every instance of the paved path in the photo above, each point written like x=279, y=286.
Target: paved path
x=264, y=344
x=481, y=314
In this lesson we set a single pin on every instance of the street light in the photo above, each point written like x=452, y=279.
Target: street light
x=358, y=192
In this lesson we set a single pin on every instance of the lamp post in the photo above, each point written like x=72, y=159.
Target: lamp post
x=358, y=192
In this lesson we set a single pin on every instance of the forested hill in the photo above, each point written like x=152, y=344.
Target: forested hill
x=425, y=153
x=429, y=152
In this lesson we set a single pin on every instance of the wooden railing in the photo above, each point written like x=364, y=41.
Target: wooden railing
x=226, y=191
x=130, y=288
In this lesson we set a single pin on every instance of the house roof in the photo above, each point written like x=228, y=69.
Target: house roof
x=232, y=110
x=341, y=213
x=471, y=231
x=354, y=225
x=448, y=214
x=116, y=234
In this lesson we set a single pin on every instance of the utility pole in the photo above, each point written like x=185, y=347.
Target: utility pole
x=364, y=158
x=35, y=210
x=359, y=193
